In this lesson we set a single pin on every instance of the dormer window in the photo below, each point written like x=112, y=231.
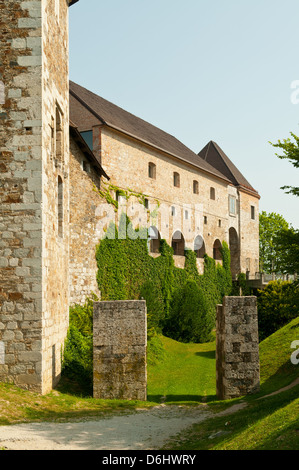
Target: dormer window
x=152, y=171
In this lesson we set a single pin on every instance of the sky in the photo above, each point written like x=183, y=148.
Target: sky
x=201, y=70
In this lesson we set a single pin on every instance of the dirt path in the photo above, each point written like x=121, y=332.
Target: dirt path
x=143, y=430
x=146, y=429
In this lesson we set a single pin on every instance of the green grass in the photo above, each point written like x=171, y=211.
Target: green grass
x=270, y=423
x=187, y=373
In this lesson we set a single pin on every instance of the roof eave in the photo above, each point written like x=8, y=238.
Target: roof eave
x=72, y=2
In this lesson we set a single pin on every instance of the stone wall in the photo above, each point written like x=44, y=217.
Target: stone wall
x=33, y=259
x=84, y=201
x=120, y=337
x=237, y=350
x=208, y=218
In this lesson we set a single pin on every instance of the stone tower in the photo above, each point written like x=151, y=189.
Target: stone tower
x=34, y=193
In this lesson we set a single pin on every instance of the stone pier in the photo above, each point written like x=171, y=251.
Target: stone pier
x=237, y=350
x=119, y=350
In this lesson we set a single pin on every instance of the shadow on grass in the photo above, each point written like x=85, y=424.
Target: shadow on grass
x=206, y=354
x=179, y=399
x=278, y=434
x=280, y=378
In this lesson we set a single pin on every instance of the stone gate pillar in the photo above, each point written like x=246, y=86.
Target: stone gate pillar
x=237, y=348
x=119, y=350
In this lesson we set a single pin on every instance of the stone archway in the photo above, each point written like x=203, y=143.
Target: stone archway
x=199, y=246
x=178, y=243
x=234, y=252
x=217, y=250
x=154, y=239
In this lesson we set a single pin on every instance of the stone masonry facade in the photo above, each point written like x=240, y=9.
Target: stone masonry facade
x=119, y=345
x=34, y=169
x=237, y=351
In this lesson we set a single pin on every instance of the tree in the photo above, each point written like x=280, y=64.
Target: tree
x=271, y=254
x=290, y=152
x=288, y=244
x=288, y=239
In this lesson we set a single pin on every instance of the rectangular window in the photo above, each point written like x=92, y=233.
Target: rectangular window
x=85, y=166
x=176, y=180
x=252, y=212
x=205, y=220
x=212, y=194
x=146, y=203
x=152, y=170
x=186, y=215
x=232, y=205
x=173, y=211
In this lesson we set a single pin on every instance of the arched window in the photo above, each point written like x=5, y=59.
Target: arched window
x=217, y=250
x=212, y=194
x=178, y=244
x=195, y=187
x=199, y=246
x=60, y=206
x=154, y=240
x=152, y=170
x=176, y=179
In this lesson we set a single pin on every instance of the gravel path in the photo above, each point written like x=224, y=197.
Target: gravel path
x=142, y=430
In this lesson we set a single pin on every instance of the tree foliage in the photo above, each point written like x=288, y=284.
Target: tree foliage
x=271, y=254
x=278, y=304
x=290, y=151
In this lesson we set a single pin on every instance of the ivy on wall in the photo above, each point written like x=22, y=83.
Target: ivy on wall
x=126, y=271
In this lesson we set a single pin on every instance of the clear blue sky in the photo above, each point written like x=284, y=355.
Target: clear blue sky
x=201, y=70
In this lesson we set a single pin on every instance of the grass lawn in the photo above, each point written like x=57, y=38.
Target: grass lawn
x=186, y=374
x=270, y=423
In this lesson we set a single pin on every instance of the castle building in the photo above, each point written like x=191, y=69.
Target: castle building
x=59, y=145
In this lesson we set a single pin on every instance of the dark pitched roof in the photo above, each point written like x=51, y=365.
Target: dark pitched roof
x=215, y=156
x=88, y=109
x=76, y=136
x=72, y=2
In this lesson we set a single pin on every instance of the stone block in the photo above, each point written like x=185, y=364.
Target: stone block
x=120, y=338
x=237, y=351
